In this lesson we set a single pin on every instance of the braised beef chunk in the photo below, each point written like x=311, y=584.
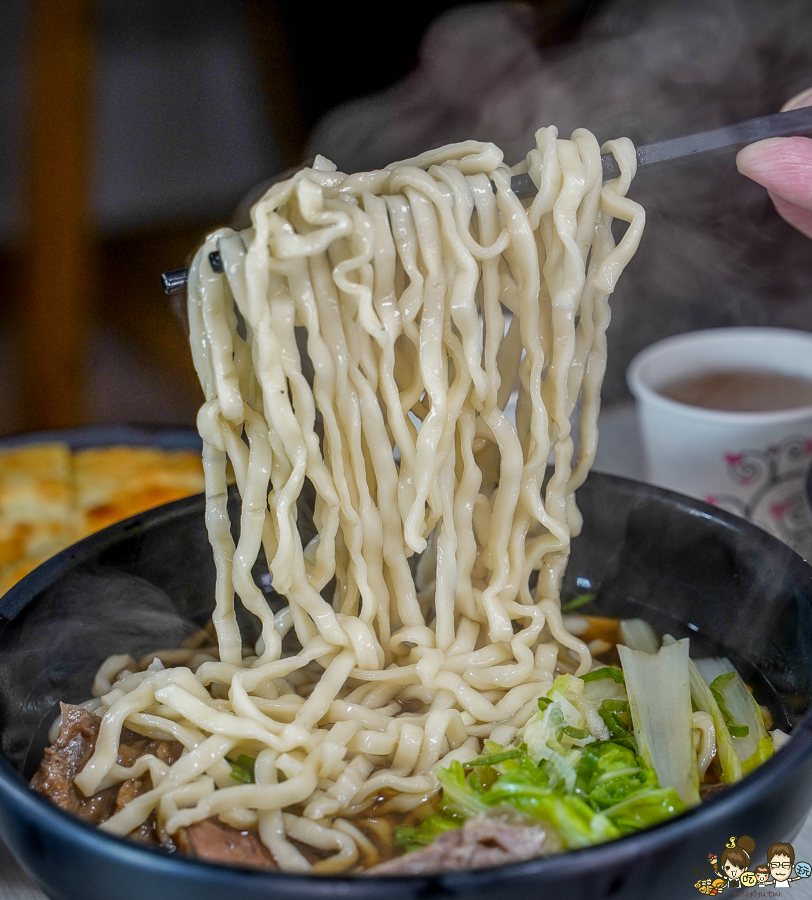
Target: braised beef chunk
x=132, y=788
x=480, y=843
x=216, y=842
x=65, y=758
x=133, y=746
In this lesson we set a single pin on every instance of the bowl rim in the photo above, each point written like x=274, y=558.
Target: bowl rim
x=126, y=434
x=761, y=782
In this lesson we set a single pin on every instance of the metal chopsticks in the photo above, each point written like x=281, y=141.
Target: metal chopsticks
x=731, y=137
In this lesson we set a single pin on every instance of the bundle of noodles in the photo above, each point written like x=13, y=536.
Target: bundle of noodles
x=426, y=608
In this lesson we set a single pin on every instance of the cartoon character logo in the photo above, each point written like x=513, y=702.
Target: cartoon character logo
x=761, y=874
x=803, y=869
x=733, y=869
x=781, y=861
x=735, y=861
x=710, y=886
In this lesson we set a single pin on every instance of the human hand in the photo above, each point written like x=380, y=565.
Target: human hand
x=784, y=167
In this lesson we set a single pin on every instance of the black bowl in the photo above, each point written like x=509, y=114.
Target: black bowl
x=688, y=568
x=163, y=437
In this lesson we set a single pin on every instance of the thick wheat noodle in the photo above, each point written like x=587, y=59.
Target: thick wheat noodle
x=399, y=280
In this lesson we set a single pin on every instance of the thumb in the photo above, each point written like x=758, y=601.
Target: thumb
x=782, y=165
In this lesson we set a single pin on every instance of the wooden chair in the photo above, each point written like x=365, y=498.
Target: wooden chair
x=56, y=306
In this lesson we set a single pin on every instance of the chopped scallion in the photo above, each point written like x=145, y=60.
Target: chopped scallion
x=577, y=602
x=577, y=733
x=495, y=758
x=242, y=769
x=612, y=672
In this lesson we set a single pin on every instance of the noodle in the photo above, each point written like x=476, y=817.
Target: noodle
x=398, y=280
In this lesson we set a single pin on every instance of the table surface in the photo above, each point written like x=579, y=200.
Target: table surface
x=619, y=453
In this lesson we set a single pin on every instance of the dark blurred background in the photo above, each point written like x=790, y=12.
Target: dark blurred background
x=131, y=127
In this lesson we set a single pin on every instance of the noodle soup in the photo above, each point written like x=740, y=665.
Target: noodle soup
x=419, y=653
x=631, y=554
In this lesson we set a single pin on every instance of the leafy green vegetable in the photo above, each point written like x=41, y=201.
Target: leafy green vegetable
x=576, y=822
x=645, y=809
x=595, y=805
x=463, y=797
x=716, y=687
x=763, y=752
x=604, y=755
x=544, y=735
x=577, y=602
x=753, y=745
x=637, y=634
x=722, y=680
x=563, y=684
x=704, y=700
x=602, y=758
x=610, y=772
x=482, y=778
x=412, y=837
x=658, y=686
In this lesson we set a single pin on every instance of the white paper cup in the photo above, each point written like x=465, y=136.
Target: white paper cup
x=751, y=463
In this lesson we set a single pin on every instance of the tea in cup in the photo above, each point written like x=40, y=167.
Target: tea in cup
x=726, y=416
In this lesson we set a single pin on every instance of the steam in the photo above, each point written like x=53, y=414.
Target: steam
x=60, y=643
x=715, y=253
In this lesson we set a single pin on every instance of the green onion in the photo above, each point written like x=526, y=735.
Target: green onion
x=577, y=602
x=242, y=769
x=605, y=672
x=617, y=717
x=578, y=733
x=495, y=758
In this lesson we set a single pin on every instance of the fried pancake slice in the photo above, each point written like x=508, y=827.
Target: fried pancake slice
x=51, y=497
x=113, y=483
x=38, y=514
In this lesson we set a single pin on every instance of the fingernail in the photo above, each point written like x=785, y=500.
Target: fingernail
x=799, y=100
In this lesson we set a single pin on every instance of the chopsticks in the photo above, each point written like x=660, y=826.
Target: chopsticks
x=174, y=282
x=731, y=137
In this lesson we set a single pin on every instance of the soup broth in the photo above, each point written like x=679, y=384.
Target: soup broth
x=742, y=391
